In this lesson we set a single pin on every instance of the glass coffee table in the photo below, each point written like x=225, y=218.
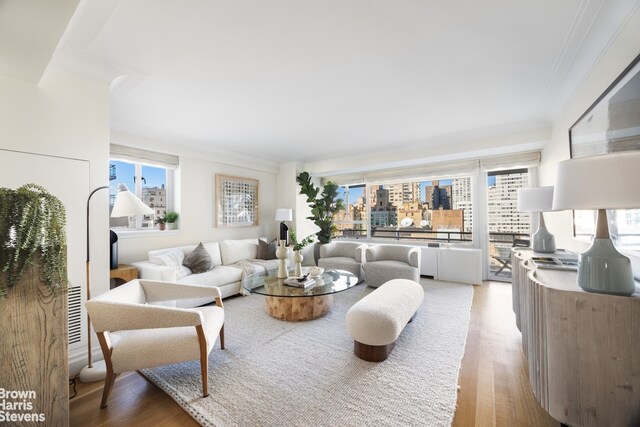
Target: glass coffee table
x=291, y=303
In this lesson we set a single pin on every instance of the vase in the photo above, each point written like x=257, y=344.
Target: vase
x=281, y=253
x=297, y=266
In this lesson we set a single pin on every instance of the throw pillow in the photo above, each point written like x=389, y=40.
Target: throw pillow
x=172, y=258
x=267, y=250
x=199, y=260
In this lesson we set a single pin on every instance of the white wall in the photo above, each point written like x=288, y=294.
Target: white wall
x=64, y=116
x=620, y=54
x=196, y=189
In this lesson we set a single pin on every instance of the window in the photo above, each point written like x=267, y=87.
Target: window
x=149, y=183
x=410, y=210
x=506, y=223
x=624, y=227
x=352, y=221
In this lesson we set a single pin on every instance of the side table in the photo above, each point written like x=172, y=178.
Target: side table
x=123, y=274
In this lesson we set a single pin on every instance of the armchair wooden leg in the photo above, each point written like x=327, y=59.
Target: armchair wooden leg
x=105, y=345
x=222, y=337
x=204, y=361
x=108, y=385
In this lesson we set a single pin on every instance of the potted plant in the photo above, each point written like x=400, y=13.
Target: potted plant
x=33, y=300
x=32, y=225
x=161, y=222
x=297, y=247
x=171, y=217
x=323, y=207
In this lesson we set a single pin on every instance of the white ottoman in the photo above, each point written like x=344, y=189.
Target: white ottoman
x=375, y=322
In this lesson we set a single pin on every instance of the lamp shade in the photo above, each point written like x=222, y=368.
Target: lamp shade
x=284, y=214
x=127, y=204
x=539, y=199
x=607, y=181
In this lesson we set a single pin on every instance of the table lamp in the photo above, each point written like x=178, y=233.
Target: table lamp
x=539, y=199
x=601, y=182
x=126, y=204
x=283, y=215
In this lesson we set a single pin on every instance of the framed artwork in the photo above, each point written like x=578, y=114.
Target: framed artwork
x=610, y=125
x=236, y=201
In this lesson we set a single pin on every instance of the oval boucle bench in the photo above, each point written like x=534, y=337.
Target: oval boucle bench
x=376, y=321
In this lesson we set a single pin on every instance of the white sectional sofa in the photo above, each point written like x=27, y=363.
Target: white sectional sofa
x=231, y=259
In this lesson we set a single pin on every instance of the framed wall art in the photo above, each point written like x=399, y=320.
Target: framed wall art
x=236, y=201
x=611, y=124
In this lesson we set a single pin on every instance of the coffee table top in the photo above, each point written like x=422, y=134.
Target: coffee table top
x=329, y=282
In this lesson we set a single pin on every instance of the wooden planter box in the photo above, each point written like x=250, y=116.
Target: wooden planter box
x=34, y=352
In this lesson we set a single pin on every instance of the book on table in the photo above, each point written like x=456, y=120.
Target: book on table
x=300, y=282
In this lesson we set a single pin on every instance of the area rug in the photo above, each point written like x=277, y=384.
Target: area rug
x=275, y=373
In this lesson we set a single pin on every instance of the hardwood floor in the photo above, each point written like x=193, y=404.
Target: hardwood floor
x=494, y=385
x=494, y=388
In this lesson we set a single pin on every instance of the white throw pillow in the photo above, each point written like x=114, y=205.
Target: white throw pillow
x=233, y=251
x=173, y=259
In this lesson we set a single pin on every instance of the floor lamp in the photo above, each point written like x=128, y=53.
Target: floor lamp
x=126, y=204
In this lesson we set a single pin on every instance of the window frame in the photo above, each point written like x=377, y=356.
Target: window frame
x=137, y=190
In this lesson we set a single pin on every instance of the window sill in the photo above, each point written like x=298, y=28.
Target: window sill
x=132, y=234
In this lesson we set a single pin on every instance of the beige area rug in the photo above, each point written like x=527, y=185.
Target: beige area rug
x=276, y=373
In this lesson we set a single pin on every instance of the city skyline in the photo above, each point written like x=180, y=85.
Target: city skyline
x=416, y=200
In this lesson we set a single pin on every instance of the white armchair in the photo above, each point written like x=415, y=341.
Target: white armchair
x=387, y=262
x=343, y=256
x=134, y=334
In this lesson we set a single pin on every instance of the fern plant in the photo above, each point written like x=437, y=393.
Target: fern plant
x=32, y=229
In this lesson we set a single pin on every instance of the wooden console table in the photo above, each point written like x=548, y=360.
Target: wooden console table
x=123, y=274
x=583, y=349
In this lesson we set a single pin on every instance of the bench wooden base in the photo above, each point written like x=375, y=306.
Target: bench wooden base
x=372, y=353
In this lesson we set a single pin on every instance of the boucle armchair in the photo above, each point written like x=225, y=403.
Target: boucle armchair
x=134, y=334
x=343, y=256
x=387, y=262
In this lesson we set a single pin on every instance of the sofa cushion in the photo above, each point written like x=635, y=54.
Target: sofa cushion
x=214, y=250
x=267, y=250
x=199, y=261
x=233, y=251
x=219, y=276
x=172, y=258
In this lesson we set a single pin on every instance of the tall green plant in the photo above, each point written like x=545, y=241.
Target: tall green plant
x=32, y=228
x=323, y=207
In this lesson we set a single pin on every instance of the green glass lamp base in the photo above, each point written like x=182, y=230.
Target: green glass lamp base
x=604, y=270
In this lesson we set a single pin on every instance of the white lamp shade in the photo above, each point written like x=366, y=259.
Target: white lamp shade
x=538, y=199
x=127, y=204
x=284, y=214
x=609, y=181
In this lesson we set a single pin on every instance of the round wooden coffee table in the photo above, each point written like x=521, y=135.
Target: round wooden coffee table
x=291, y=303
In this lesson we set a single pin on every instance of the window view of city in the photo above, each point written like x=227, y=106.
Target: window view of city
x=507, y=226
x=416, y=210
x=153, y=190
x=438, y=210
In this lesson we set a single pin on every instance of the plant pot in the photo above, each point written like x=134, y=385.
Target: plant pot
x=161, y=226
x=171, y=226
x=297, y=266
x=33, y=346
x=282, y=253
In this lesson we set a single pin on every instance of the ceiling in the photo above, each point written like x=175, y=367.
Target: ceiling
x=307, y=80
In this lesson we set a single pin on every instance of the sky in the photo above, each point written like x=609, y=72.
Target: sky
x=154, y=176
